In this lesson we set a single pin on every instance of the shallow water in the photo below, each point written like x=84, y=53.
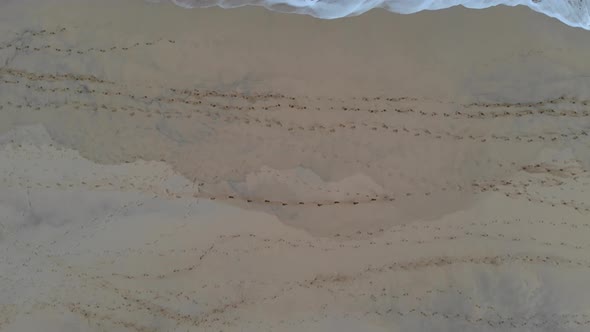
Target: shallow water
x=573, y=13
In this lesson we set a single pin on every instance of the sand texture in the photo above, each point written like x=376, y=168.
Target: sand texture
x=164, y=169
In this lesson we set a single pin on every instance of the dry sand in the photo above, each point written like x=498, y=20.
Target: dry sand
x=164, y=169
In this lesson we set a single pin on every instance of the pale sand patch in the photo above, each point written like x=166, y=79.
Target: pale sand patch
x=136, y=259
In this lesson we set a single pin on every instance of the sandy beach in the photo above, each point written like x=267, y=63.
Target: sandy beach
x=165, y=169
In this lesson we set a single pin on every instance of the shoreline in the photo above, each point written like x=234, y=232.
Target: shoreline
x=330, y=11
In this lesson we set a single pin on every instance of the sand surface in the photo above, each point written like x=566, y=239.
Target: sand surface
x=165, y=169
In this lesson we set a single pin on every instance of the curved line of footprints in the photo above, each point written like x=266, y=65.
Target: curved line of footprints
x=271, y=123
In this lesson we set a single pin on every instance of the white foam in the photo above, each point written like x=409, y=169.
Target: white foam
x=571, y=12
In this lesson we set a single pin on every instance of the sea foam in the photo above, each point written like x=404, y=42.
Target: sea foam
x=575, y=13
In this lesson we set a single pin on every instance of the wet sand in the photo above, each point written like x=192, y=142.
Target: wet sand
x=165, y=169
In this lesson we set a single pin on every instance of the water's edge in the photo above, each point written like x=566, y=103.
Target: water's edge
x=575, y=13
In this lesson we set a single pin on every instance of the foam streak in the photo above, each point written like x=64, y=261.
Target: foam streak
x=575, y=13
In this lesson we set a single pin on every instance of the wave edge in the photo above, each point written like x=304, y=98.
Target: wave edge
x=575, y=13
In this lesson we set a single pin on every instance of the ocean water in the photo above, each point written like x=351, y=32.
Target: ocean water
x=571, y=12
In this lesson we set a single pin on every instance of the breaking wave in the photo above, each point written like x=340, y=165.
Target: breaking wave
x=571, y=12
